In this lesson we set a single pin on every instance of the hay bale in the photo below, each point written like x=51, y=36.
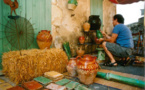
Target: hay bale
x=33, y=63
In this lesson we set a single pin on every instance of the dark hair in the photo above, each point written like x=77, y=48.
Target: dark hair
x=119, y=18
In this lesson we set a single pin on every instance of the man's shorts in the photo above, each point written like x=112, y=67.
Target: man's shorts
x=119, y=51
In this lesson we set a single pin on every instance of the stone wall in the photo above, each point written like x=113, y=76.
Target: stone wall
x=67, y=24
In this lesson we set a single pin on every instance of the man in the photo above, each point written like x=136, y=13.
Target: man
x=120, y=43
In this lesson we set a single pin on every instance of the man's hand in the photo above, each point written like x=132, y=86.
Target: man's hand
x=103, y=33
x=101, y=40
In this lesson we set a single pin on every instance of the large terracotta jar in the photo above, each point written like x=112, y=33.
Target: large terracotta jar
x=87, y=69
x=71, y=67
x=44, y=39
x=95, y=22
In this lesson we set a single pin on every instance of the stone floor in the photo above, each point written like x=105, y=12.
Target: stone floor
x=130, y=69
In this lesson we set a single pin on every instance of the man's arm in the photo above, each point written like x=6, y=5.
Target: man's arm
x=111, y=39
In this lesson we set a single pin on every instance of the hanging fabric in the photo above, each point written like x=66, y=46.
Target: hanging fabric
x=124, y=1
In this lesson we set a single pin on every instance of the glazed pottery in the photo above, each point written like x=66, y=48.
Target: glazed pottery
x=87, y=69
x=95, y=22
x=96, y=40
x=81, y=39
x=44, y=39
x=86, y=26
x=99, y=34
x=71, y=67
x=72, y=4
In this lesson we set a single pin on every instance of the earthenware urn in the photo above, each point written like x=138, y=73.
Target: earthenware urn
x=87, y=68
x=86, y=26
x=44, y=39
x=71, y=67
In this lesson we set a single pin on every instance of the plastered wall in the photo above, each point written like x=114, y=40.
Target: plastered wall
x=109, y=10
x=67, y=24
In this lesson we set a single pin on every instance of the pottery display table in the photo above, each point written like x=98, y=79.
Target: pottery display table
x=90, y=44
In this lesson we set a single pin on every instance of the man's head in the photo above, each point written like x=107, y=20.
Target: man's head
x=117, y=19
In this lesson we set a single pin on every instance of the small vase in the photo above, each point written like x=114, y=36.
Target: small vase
x=72, y=4
x=80, y=51
x=86, y=26
x=81, y=39
x=71, y=67
x=96, y=40
x=99, y=34
x=44, y=39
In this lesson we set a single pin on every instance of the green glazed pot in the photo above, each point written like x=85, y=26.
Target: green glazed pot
x=99, y=34
x=73, y=2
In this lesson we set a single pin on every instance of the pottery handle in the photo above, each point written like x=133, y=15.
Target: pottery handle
x=95, y=57
x=78, y=58
x=96, y=61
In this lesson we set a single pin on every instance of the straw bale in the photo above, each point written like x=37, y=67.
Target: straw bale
x=33, y=63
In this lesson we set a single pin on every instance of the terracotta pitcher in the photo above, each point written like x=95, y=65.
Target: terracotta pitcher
x=87, y=69
x=44, y=39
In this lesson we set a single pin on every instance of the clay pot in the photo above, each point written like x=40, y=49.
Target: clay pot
x=81, y=39
x=71, y=67
x=80, y=51
x=86, y=26
x=44, y=39
x=72, y=4
x=95, y=22
x=96, y=40
x=87, y=69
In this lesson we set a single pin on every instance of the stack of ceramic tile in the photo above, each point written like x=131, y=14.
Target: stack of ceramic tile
x=53, y=86
x=43, y=80
x=16, y=88
x=5, y=86
x=54, y=76
x=32, y=85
